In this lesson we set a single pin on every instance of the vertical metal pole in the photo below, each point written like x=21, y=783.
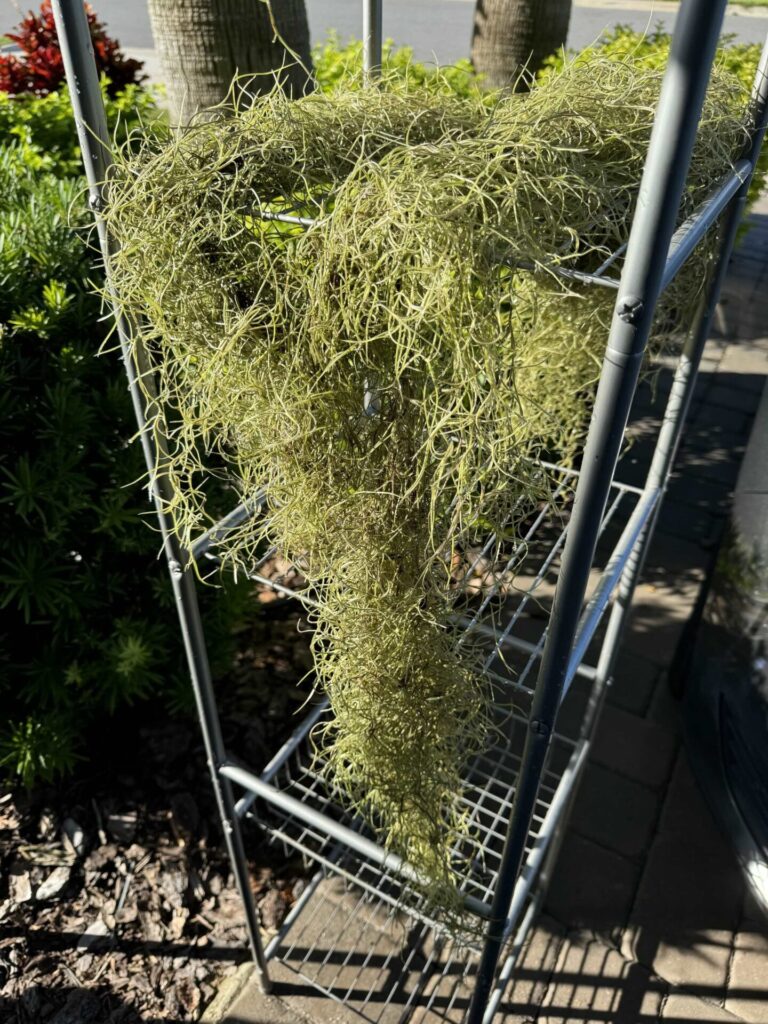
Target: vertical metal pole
x=684, y=381
x=663, y=180
x=90, y=118
x=372, y=40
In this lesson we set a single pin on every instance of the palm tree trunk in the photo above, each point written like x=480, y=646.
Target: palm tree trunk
x=511, y=38
x=204, y=44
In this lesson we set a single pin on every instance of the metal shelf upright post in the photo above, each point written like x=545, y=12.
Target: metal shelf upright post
x=520, y=790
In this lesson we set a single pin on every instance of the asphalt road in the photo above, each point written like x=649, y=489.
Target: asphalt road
x=437, y=29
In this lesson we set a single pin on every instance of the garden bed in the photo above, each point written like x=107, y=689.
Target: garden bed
x=120, y=905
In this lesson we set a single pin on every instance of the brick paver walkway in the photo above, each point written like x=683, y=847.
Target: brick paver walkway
x=647, y=916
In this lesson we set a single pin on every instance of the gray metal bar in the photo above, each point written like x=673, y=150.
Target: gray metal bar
x=244, y=511
x=610, y=260
x=661, y=187
x=693, y=230
x=288, y=218
x=593, y=613
x=90, y=119
x=372, y=38
x=387, y=860
x=548, y=828
x=536, y=859
x=525, y=646
x=298, y=595
x=291, y=745
x=684, y=380
x=513, y=956
x=582, y=276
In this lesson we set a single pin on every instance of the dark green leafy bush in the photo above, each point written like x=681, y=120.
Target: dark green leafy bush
x=87, y=622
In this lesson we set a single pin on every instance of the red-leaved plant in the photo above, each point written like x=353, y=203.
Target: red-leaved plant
x=39, y=69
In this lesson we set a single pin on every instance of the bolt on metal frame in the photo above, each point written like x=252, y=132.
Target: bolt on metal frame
x=519, y=792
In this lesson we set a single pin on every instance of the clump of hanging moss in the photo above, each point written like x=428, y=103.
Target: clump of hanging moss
x=390, y=371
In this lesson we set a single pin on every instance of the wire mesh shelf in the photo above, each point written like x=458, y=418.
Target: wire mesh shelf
x=490, y=785
x=506, y=595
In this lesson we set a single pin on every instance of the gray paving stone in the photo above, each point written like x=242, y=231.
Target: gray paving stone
x=352, y=949
x=714, y=348
x=634, y=680
x=708, y=495
x=688, y=904
x=747, y=363
x=533, y=973
x=710, y=466
x=686, y=814
x=592, y=887
x=695, y=962
x=709, y=364
x=659, y=614
x=675, y=564
x=713, y=440
x=594, y=983
x=731, y=397
x=689, y=522
x=633, y=747
x=689, y=1009
x=736, y=421
x=614, y=811
x=747, y=994
x=664, y=709
x=444, y=1000
x=754, y=916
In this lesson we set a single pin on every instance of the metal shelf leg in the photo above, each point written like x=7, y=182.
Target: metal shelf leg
x=372, y=39
x=90, y=118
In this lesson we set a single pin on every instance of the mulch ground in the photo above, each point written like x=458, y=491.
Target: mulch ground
x=117, y=904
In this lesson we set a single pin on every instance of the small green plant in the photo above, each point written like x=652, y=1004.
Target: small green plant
x=39, y=748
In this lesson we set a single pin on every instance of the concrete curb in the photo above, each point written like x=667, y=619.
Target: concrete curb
x=665, y=7
x=228, y=992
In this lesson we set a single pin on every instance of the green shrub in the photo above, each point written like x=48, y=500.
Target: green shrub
x=41, y=129
x=340, y=66
x=88, y=622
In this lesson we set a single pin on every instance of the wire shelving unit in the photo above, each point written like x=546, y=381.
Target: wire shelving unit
x=564, y=593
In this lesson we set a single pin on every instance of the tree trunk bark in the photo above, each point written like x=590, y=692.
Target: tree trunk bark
x=511, y=38
x=204, y=44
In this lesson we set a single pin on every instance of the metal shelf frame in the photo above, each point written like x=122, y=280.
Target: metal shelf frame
x=521, y=789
